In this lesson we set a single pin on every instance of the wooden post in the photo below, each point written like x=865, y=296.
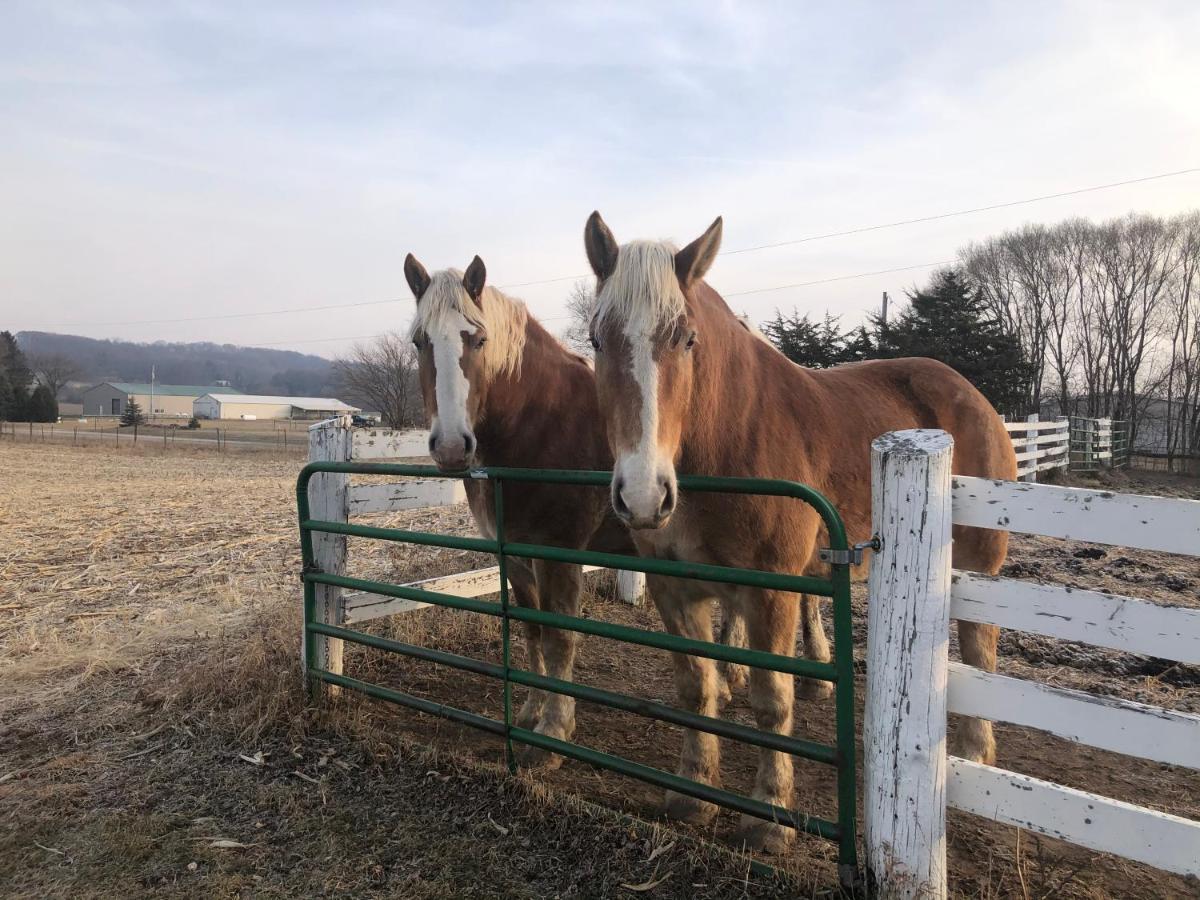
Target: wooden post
x=1064, y=459
x=1031, y=444
x=908, y=621
x=329, y=495
x=631, y=587
x=1104, y=442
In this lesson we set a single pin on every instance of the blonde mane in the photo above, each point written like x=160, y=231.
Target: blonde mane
x=643, y=291
x=502, y=316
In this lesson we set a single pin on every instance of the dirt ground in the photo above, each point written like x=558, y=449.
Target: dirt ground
x=154, y=737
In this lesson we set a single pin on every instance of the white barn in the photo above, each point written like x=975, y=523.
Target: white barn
x=252, y=406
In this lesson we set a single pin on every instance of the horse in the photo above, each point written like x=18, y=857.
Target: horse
x=500, y=390
x=684, y=386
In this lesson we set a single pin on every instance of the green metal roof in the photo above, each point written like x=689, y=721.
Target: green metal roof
x=167, y=390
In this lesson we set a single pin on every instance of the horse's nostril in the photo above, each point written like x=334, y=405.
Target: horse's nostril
x=433, y=442
x=468, y=443
x=619, y=503
x=667, y=506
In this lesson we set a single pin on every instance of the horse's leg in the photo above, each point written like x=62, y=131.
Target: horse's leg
x=771, y=619
x=816, y=647
x=983, y=551
x=686, y=610
x=733, y=634
x=524, y=587
x=558, y=587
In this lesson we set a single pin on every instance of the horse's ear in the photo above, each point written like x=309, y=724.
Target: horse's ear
x=474, y=278
x=693, y=261
x=601, y=246
x=418, y=278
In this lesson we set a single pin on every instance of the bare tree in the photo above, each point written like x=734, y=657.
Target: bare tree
x=580, y=303
x=1105, y=310
x=384, y=372
x=1182, y=415
x=54, y=371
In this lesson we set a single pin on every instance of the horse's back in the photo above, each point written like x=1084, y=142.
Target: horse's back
x=897, y=394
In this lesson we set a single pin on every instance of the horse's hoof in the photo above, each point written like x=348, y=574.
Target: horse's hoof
x=815, y=689
x=687, y=809
x=763, y=837
x=537, y=758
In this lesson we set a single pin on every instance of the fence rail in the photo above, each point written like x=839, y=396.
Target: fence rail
x=907, y=643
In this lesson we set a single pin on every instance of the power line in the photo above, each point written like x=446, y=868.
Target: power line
x=961, y=212
x=779, y=287
x=816, y=237
x=799, y=284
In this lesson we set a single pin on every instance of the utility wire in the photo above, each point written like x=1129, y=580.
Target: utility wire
x=962, y=212
x=804, y=240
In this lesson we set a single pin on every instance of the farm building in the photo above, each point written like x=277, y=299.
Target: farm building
x=109, y=398
x=247, y=406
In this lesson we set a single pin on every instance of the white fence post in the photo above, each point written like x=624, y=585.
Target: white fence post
x=908, y=621
x=1032, y=444
x=631, y=586
x=1105, y=442
x=329, y=501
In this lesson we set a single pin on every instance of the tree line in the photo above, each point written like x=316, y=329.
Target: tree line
x=1107, y=315
x=947, y=320
x=1078, y=318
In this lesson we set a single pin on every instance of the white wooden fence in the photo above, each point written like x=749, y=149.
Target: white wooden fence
x=334, y=498
x=1040, y=446
x=911, y=685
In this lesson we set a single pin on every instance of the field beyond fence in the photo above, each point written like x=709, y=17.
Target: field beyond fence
x=165, y=434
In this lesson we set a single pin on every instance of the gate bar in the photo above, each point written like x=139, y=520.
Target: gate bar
x=795, y=584
x=720, y=727
x=806, y=668
x=771, y=813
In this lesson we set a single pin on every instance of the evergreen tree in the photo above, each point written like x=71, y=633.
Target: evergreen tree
x=42, y=405
x=815, y=345
x=14, y=401
x=8, y=405
x=947, y=321
x=858, y=345
x=133, y=414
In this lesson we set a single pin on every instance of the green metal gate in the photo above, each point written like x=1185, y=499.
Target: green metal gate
x=840, y=671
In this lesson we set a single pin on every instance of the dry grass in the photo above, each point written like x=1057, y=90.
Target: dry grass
x=149, y=646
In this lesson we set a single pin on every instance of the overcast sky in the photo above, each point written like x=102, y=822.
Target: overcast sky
x=172, y=160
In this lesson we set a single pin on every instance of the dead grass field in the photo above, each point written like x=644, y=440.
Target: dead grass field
x=153, y=737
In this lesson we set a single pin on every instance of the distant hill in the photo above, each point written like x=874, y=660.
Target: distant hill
x=251, y=370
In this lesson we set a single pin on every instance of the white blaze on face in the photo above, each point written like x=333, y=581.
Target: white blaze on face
x=451, y=385
x=643, y=473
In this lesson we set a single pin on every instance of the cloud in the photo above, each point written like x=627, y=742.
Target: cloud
x=166, y=159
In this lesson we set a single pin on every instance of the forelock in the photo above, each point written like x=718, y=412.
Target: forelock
x=643, y=292
x=502, y=316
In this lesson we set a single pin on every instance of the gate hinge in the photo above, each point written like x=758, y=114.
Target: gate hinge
x=311, y=569
x=853, y=556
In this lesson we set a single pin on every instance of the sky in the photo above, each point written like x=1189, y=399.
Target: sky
x=178, y=160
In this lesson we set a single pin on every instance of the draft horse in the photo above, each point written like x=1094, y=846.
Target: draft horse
x=683, y=386
x=500, y=390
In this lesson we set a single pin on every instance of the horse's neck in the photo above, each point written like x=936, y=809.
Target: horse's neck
x=739, y=385
x=507, y=431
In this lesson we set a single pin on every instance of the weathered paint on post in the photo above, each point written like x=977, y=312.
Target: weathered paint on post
x=904, y=733
x=330, y=501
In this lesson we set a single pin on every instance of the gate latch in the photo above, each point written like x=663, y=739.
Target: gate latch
x=853, y=556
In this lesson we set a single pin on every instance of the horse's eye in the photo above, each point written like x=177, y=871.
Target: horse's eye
x=595, y=344
x=691, y=341
x=481, y=341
